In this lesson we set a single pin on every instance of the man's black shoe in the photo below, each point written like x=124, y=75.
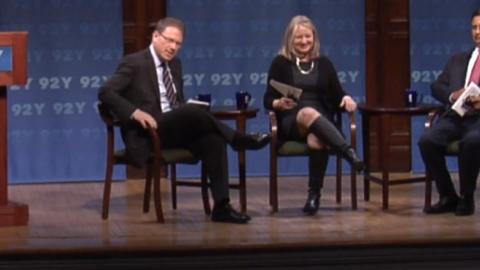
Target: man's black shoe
x=444, y=205
x=226, y=213
x=253, y=141
x=465, y=206
x=312, y=203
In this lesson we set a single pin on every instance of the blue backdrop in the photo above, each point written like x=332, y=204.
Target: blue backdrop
x=438, y=29
x=229, y=46
x=54, y=132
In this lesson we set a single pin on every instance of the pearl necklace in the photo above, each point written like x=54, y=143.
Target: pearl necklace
x=304, y=72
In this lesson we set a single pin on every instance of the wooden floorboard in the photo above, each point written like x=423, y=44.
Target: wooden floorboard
x=66, y=218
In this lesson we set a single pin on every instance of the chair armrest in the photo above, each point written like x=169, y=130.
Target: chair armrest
x=157, y=147
x=353, y=129
x=434, y=114
x=273, y=128
x=107, y=116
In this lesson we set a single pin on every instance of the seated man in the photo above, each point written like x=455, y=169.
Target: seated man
x=146, y=90
x=460, y=70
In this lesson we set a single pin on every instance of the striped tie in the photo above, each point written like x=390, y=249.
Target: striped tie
x=167, y=81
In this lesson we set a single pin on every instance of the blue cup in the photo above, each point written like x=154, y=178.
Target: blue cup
x=205, y=97
x=410, y=98
x=243, y=99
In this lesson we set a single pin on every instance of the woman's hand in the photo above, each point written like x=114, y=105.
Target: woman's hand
x=284, y=104
x=348, y=104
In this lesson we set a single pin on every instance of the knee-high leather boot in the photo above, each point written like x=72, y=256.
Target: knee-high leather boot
x=329, y=134
x=317, y=165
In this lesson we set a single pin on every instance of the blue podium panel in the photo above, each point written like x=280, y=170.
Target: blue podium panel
x=6, y=59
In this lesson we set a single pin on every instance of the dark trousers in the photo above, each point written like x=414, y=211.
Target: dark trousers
x=199, y=131
x=433, y=145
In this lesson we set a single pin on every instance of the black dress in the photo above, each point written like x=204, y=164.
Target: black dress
x=321, y=90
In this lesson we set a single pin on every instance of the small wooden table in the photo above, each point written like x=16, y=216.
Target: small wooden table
x=384, y=113
x=240, y=117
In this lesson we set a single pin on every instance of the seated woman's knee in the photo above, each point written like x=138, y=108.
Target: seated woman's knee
x=307, y=115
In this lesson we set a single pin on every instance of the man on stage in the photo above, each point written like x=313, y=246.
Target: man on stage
x=460, y=71
x=146, y=90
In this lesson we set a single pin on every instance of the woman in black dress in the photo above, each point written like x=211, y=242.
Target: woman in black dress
x=300, y=64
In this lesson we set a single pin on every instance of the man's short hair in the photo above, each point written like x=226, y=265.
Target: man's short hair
x=170, y=21
x=475, y=14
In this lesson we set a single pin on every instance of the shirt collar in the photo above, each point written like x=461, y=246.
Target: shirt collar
x=156, y=59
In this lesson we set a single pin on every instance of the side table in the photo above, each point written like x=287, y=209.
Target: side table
x=384, y=113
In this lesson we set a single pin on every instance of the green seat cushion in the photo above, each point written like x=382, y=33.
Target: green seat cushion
x=178, y=156
x=293, y=148
x=453, y=148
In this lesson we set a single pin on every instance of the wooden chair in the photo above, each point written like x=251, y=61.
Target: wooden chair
x=289, y=148
x=452, y=150
x=159, y=160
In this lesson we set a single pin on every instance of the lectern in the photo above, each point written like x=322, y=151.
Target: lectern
x=13, y=70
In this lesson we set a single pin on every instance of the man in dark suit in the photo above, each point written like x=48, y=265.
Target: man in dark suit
x=146, y=90
x=460, y=70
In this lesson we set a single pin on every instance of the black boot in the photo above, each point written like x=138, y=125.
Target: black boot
x=351, y=156
x=328, y=133
x=312, y=203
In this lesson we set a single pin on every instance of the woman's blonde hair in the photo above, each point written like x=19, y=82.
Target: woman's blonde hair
x=287, y=49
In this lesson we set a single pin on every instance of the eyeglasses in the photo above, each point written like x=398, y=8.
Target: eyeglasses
x=170, y=40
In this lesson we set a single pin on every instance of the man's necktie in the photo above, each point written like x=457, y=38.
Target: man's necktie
x=475, y=76
x=167, y=81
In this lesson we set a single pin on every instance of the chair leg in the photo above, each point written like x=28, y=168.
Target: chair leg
x=339, y=179
x=173, y=184
x=353, y=188
x=273, y=183
x=204, y=186
x=366, y=187
x=157, y=192
x=107, y=188
x=428, y=191
x=148, y=189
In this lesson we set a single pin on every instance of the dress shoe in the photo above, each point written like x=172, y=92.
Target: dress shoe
x=253, y=141
x=312, y=203
x=465, y=206
x=351, y=156
x=444, y=205
x=225, y=213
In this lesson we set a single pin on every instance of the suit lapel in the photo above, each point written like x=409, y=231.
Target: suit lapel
x=152, y=74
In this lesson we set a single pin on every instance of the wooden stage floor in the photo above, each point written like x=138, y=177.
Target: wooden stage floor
x=65, y=219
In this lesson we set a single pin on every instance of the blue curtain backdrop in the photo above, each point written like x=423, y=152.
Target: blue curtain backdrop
x=230, y=44
x=54, y=132
x=438, y=29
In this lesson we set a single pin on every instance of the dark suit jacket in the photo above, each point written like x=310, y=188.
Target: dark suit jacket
x=134, y=85
x=452, y=77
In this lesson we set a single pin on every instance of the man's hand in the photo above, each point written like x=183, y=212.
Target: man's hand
x=145, y=119
x=284, y=103
x=474, y=101
x=348, y=104
x=455, y=95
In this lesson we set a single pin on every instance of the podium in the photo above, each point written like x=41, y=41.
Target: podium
x=13, y=70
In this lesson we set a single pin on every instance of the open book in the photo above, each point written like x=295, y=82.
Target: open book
x=461, y=105
x=286, y=90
